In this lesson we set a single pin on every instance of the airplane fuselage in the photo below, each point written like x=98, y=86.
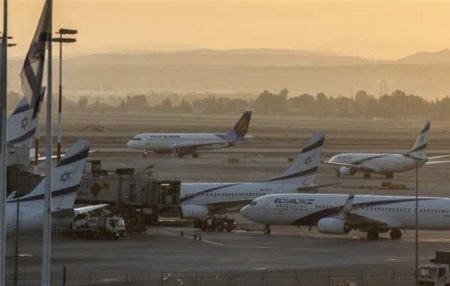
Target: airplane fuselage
x=397, y=212
x=168, y=142
x=232, y=196
x=378, y=162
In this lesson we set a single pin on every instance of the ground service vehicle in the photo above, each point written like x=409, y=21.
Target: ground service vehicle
x=216, y=223
x=437, y=272
x=106, y=227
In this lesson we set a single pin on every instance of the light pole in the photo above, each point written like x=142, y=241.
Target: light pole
x=16, y=261
x=417, y=226
x=3, y=143
x=61, y=40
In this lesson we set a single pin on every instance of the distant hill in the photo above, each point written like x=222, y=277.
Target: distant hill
x=428, y=58
x=248, y=71
x=204, y=57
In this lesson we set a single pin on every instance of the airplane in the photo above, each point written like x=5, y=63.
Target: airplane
x=341, y=213
x=200, y=201
x=386, y=164
x=66, y=179
x=188, y=143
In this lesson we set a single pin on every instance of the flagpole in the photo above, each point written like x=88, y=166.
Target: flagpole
x=3, y=155
x=47, y=231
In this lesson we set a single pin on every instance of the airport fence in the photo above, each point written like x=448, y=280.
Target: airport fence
x=352, y=276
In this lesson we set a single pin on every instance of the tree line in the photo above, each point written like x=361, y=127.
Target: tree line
x=398, y=104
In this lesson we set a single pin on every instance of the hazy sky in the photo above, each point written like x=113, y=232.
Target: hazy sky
x=376, y=29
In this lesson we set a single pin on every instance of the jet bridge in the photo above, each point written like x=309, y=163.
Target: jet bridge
x=138, y=197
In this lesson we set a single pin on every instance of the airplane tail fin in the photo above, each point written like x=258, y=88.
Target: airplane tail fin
x=420, y=146
x=21, y=127
x=66, y=179
x=303, y=169
x=22, y=124
x=240, y=128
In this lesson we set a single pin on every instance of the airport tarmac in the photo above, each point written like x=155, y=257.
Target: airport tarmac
x=163, y=249
x=276, y=139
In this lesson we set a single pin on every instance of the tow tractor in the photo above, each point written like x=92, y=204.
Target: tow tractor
x=106, y=227
x=216, y=223
x=437, y=272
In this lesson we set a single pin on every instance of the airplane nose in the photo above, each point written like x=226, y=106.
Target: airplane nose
x=130, y=144
x=247, y=212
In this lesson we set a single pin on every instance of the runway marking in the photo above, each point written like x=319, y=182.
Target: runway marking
x=203, y=240
x=301, y=248
x=212, y=242
x=169, y=233
x=392, y=259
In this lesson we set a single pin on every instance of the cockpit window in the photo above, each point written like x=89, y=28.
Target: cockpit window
x=253, y=203
x=136, y=139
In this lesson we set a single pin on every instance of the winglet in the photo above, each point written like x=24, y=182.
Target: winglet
x=348, y=206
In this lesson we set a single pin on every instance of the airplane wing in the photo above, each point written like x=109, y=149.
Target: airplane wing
x=224, y=207
x=189, y=148
x=43, y=158
x=437, y=162
x=247, y=137
x=341, y=164
x=356, y=220
x=439, y=157
x=82, y=210
x=351, y=166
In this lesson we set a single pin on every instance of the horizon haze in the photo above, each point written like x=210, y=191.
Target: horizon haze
x=378, y=30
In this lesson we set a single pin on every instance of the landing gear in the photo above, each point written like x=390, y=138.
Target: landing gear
x=372, y=235
x=220, y=226
x=267, y=229
x=180, y=155
x=338, y=174
x=194, y=155
x=396, y=234
x=390, y=176
x=367, y=175
x=145, y=154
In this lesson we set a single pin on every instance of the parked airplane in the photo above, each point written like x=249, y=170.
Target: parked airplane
x=386, y=164
x=200, y=201
x=340, y=213
x=66, y=178
x=189, y=143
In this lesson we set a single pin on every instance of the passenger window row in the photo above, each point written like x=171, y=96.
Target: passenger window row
x=441, y=211
x=229, y=194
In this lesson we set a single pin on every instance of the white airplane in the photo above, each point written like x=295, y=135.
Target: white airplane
x=341, y=213
x=386, y=164
x=200, y=201
x=189, y=143
x=66, y=178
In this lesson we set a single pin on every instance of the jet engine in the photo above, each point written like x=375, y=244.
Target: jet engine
x=347, y=171
x=194, y=212
x=333, y=226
